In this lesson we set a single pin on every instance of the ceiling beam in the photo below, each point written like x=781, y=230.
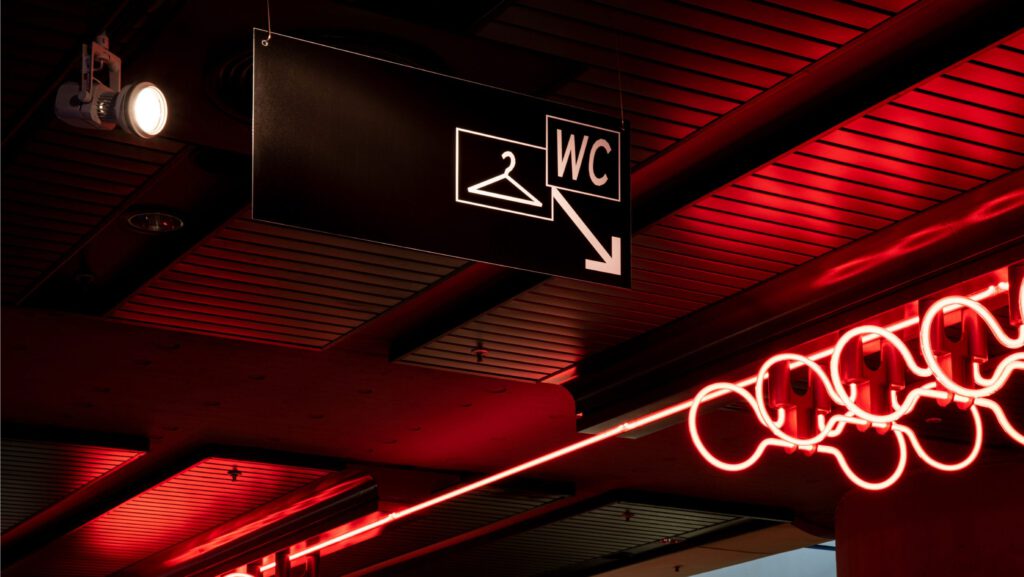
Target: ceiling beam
x=128, y=483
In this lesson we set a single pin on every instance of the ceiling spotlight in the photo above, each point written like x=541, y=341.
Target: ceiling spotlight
x=98, y=100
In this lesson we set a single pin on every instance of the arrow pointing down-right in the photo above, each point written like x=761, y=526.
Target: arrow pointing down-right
x=611, y=261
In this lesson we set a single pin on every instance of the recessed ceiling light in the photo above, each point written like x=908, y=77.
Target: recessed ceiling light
x=155, y=222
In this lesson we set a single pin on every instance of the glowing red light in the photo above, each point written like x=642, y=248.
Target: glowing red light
x=971, y=396
x=942, y=389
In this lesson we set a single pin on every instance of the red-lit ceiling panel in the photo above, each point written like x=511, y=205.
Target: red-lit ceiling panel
x=673, y=67
x=949, y=134
x=197, y=499
x=37, y=474
x=262, y=282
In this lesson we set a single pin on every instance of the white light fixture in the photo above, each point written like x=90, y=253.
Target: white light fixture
x=139, y=109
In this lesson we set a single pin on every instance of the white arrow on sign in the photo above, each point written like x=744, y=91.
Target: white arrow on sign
x=611, y=262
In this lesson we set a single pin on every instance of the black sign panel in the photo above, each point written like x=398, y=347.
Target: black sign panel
x=356, y=146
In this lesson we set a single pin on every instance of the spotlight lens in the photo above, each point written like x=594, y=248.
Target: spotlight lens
x=148, y=110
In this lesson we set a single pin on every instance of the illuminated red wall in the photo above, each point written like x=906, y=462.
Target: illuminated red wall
x=964, y=525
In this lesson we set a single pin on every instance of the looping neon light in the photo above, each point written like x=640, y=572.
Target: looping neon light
x=843, y=407
x=941, y=390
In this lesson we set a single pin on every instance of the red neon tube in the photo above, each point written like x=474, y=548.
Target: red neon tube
x=942, y=389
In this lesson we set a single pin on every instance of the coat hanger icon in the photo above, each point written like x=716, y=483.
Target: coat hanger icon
x=527, y=198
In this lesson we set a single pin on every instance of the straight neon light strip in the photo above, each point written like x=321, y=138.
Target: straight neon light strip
x=942, y=390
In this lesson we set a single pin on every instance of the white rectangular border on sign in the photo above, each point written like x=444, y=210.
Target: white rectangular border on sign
x=458, y=188
x=618, y=157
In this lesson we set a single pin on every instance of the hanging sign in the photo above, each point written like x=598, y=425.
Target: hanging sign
x=361, y=147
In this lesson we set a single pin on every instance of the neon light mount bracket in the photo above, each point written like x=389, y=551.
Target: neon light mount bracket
x=845, y=391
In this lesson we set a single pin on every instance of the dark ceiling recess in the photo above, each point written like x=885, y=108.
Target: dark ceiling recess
x=588, y=538
x=229, y=77
x=269, y=283
x=456, y=517
x=63, y=186
x=229, y=83
x=456, y=17
x=39, y=472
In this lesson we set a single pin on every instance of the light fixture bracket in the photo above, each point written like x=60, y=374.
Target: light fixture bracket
x=95, y=58
x=99, y=101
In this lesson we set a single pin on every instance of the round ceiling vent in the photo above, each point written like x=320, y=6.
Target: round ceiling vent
x=230, y=86
x=154, y=221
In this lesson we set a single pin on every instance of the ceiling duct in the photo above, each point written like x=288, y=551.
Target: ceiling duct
x=318, y=507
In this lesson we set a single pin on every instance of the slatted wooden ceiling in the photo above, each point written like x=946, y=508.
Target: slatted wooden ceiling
x=579, y=544
x=38, y=474
x=268, y=283
x=949, y=134
x=456, y=517
x=682, y=65
x=60, y=188
x=191, y=502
